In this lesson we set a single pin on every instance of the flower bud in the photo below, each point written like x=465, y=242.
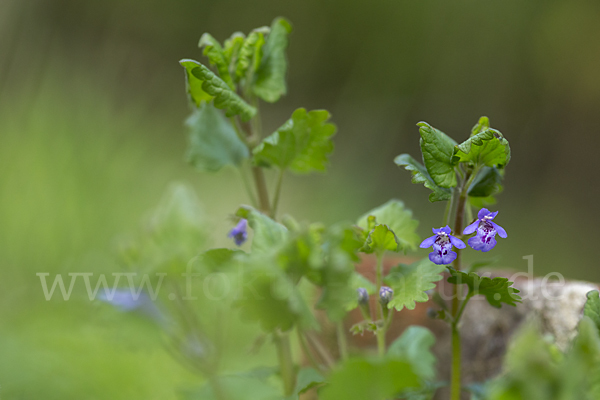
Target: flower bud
x=363, y=296
x=363, y=302
x=385, y=295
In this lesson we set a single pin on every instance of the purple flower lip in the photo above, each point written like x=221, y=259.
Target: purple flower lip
x=239, y=233
x=485, y=239
x=442, y=243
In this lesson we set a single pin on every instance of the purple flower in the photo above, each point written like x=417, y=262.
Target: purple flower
x=385, y=295
x=442, y=243
x=485, y=239
x=239, y=234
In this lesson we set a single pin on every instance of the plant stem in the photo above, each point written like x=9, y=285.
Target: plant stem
x=380, y=315
x=247, y=186
x=321, y=350
x=342, y=341
x=284, y=353
x=455, y=384
x=261, y=188
x=307, y=352
x=277, y=193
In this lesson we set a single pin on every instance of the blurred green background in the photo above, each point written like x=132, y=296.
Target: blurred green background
x=92, y=104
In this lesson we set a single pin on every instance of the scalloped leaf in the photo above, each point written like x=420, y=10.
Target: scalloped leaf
x=213, y=142
x=420, y=175
x=232, y=47
x=410, y=282
x=302, y=144
x=437, y=149
x=193, y=85
x=216, y=57
x=380, y=240
x=224, y=97
x=398, y=219
x=497, y=290
x=270, y=76
x=251, y=53
x=487, y=148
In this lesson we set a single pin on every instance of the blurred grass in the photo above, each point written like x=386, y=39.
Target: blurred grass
x=91, y=135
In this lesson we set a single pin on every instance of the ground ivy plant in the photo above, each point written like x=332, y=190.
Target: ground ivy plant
x=287, y=259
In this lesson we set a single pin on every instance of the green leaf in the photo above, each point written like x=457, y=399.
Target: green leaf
x=380, y=240
x=270, y=77
x=307, y=379
x=414, y=346
x=268, y=234
x=232, y=47
x=437, y=149
x=420, y=175
x=302, y=144
x=194, y=85
x=497, y=290
x=372, y=379
x=487, y=148
x=213, y=143
x=337, y=275
x=410, y=282
x=270, y=297
x=592, y=307
x=251, y=53
x=481, y=125
x=216, y=260
x=224, y=97
x=216, y=57
x=487, y=183
x=398, y=219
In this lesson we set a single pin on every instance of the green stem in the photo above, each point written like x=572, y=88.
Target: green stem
x=321, y=350
x=286, y=364
x=277, y=193
x=462, y=308
x=261, y=188
x=307, y=351
x=247, y=186
x=342, y=341
x=455, y=384
x=380, y=315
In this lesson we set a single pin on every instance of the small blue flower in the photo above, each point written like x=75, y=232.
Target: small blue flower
x=239, y=234
x=385, y=295
x=442, y=243
x=485, y=239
